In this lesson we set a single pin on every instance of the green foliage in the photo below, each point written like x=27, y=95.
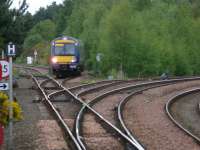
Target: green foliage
x=43, y=49
x=62, y=17
x=46, y=29
x=76, y=19
x=32, y=40
x=39, y=39
x=47, y=13
x=127, y=48
x=4, y=110
x=14, y=23
x=138, y=37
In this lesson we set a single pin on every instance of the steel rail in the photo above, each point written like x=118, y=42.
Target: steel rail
x=98, y=115
x=59, y=117
x=79, y=116
x=81, y=93
x=103, y=81
x=92, y=84
x=86, y=105
x=90, y=89
x=167, y=109
x=67, y=79
x=53, y=87
x=120, y=109
x=113, y=82
x=43, y=83
x=55, y=92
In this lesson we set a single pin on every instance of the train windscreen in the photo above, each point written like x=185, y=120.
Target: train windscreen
x=64, y=49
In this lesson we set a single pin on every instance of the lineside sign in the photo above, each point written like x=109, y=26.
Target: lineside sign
x=4, y=86
x=5, y=68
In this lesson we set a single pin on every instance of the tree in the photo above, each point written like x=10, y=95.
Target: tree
x=49, y=13
x=32, y=40
x=46, y=29
x=117, y=25
x=62, y=17
x=11, y=21
x=143, y=37
x=5, y=20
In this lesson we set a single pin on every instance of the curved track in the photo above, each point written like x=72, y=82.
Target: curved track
x=61, y=120
x=125, y=90
x=88, y=96
x=147, y=120
x=183, y=110
x=94, y=97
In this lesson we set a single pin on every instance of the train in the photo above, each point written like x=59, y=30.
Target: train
x=66, y=56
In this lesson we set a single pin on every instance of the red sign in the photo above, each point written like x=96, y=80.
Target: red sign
x=5, y=68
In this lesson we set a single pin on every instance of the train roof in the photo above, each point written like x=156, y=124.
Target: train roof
x=65, y=38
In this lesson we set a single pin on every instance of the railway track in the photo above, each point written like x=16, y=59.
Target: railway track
x=47, y=99
x=45, y=92
x=87, y=96
x=183, y=110
x=117, y=91
x=90, y=97
x=149, y=122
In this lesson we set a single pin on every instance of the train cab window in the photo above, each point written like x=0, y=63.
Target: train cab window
x=64, y=49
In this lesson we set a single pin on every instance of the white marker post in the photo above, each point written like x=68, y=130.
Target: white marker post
x=11, y=53
x=35, y=56
x=98, y=59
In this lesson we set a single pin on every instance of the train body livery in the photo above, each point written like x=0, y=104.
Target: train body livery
x=65, y=56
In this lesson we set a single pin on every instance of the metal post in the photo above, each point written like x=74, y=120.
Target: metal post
x=10, y=140
x=2, y=54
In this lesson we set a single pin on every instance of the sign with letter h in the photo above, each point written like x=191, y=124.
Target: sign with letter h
x=11, y=49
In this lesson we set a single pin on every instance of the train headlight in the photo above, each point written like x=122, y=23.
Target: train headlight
x=54, y=60
x=73, y=59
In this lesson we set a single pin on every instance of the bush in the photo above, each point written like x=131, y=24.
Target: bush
x=4, y=110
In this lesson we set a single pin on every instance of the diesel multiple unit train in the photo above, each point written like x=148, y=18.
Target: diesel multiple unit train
x=66, y=56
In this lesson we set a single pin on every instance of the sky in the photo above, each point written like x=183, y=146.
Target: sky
x=34, y=5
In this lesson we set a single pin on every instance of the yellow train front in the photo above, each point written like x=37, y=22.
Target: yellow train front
x=65, y=56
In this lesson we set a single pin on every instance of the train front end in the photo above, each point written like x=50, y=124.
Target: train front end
x=65, y=57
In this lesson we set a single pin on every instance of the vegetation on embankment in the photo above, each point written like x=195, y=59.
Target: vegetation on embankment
x=4, y=110
x=140, y=37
